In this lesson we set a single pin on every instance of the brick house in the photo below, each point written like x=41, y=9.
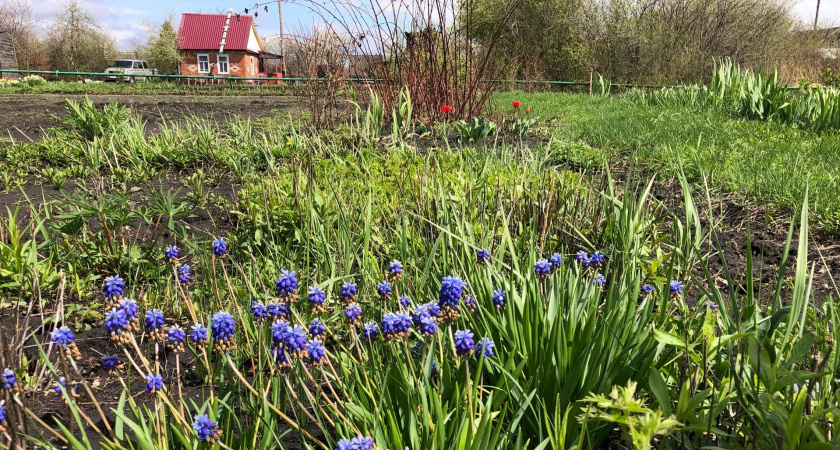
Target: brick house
x=223, y=45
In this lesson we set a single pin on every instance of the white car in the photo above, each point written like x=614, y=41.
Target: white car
x=129, y=66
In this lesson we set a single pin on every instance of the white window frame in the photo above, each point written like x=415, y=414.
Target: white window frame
x=207, y=62
x=226, y=58
x=252, y=66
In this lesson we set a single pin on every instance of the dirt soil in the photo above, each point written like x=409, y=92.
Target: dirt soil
x=26, y=117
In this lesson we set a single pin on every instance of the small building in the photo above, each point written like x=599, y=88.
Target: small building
x=8, y=59
x=223, y=45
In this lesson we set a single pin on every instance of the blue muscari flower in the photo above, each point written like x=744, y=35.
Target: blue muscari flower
x=419, y=313
x=482, y=256
x=206, y=430
x=2, y=415
x=370, y=330
x=315, y=352
x=294, y=340
x=222, y=327
x=344, y=444
x=317, y=328
x=428, y=326
x=451, y=291
x=357, y=443
x=278, y=332
x=583, y=258
x=131, y=308
x=154, y=320
x=153, y=383
x=395, y=270
x=220, y=247
x=259, y=311
x=9, y=380
x=281, y=358
x=676, y=288
x=184, y=275
x=62, y=336
x=316, y=297
x=464, y=342
x=198, y=334
x=647, y=289
x=171, y=253
x=116, y=321
x=405, y=301
x=114, y=287
x=499, y=299
x=348, y=291
x=434, y=308
x=353, y=312
x=470, y=302
x=175, y=338
x=287, y=284
x=711, y=305
x=485, y=347
x=277, y=310
x=110, y=362
x=597, y=259
x=395, y=325
x=599, y=279
x=556, y=261
x=61, y=384
x=384, y=289
x=542, y=268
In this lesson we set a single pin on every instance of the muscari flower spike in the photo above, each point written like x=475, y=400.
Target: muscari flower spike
x=583, y=258
x=317, y=328
x=395, y=326
x=132, y=313
x=485, y=347
x=206, y=430
x=499, y=299
x=370, y=331
x=464, y=342
x=556, y=261
x=542, y=269
x=316, y=299
x=646, y=290
x=198, y=334
x=3, y=416
x=357, y=443
x=711, y=305
x=171, y=253
x=222, y=327
x=405, y=301
x=352, y=314
x=395, y=270
x=110, y=362
x=384, y=289
x=259, y=311
x=9, y=380
x=482, y=256
x=451, y=291
x=596, y=260
x=184, y=275
x=599, y=280
x=278, y=332
x=154, y=383
x=220, y=247
x=154, y=324
x=66, y=340
x=434, y=308
x=676, y=288
x=287, y=285
x=471, y=303
x=62, y=383
x=277, y=311
x=428, y=326
x=117, y=324
x=348, y=291
x=114, y=287
x=294, y=341
x=316, y=354
x=281, y=358
x=175, y=338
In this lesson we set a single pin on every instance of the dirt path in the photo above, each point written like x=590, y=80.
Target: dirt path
x=25, y=117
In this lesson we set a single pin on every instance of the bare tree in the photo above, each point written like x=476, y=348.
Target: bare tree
x=76, y=41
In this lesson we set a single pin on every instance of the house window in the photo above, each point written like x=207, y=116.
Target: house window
x=252, y=65
x=203, y=63
x=224, y=66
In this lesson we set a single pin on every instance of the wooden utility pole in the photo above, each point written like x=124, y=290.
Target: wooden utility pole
x=282, y=38
x=816, y=17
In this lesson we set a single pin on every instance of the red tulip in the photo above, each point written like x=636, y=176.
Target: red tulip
x=528, y=110
x=516, y=104
x=446, y=109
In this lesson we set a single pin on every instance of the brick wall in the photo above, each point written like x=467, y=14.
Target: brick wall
x=239, y=61
x=7, y=54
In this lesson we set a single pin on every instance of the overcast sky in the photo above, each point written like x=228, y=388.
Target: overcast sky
x=122, y=17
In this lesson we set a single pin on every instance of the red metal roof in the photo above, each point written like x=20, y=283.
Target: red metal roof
x=204, y=31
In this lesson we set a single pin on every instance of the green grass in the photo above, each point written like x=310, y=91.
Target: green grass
x=766, y=162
